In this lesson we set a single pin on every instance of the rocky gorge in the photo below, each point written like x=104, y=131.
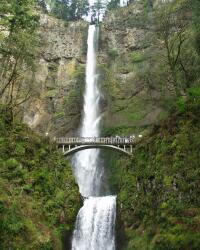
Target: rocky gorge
x=148, y=76
x=125, y=50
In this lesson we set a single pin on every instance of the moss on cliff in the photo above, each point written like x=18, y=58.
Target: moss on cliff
x=137, y=80
x=158, y=189
x=125, y=55
x=158, y=200
x=39, y=199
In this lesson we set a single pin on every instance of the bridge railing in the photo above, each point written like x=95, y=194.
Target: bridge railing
x=95, y=140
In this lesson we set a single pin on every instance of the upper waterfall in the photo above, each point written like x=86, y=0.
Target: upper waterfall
x=90, y=126
x=86, y=169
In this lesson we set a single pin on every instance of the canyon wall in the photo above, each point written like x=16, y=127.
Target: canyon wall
x=59, y=77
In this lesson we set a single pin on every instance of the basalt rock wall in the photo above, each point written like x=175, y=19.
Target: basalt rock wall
x=59, y=78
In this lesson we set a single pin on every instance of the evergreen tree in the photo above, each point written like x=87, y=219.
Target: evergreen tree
x=61, y=9
x=78, y=9
x=17, y=48
x=99, y=8
x=42, y=3
x=113, y=4
x=70, y=10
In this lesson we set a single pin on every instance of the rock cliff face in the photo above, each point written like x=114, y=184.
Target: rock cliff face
x=126, y=48
x=59, y=77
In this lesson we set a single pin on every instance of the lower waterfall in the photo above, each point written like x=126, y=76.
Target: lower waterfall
x=95, y=224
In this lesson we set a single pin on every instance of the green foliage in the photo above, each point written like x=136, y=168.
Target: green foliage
x=78, y=8
x=180, y=54
x=122, y=130
x=21, y=22
x=18, y=41
x=112, y=53
x=194, y=92
x=196, y=22
x=141, y=19
x=60, y=9
x=73, y=100
x=158, y=201
x=113, y=4
x=181, y=104
x=39, y=199
x=137, y=57
x=69, y=10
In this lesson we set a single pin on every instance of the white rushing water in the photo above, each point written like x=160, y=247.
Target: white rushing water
x=86, y=169
x=95, y=224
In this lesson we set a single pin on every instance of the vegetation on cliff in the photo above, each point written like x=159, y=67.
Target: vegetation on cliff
x=39, y=199
x=158, y=199
x=18, y=43
x=150, y=70
x=148, y=58
x=158, y=189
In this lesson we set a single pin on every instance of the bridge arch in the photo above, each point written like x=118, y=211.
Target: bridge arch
x=83, y=147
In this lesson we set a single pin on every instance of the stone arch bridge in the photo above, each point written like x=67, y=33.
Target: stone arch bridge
x=75, y=144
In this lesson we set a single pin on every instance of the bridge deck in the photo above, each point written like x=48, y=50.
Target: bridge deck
x=95, y=140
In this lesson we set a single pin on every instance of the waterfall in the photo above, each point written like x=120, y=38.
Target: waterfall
x=95, y=224
x=86, y=168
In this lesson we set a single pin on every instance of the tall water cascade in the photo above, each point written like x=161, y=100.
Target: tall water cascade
x=95, y=223
x=86, y=168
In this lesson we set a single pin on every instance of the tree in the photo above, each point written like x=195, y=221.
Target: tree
x=113, y=4
x=196, y=22
x=70, y=10
x=172, y=22
x=78, y=9
x=18, y=49
x=61, y=9
x=98, y=9
x=42, y=3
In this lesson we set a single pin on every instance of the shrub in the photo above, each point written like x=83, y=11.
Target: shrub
x=112, y=53
x=137, y=57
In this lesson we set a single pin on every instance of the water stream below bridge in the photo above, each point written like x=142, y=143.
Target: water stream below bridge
x=95, y=224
